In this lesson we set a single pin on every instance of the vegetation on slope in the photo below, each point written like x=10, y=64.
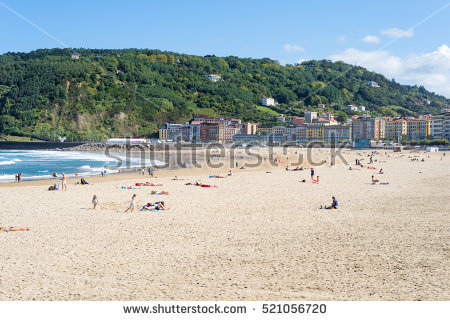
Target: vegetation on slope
x=46, y=94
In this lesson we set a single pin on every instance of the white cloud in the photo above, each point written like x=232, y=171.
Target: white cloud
x=371, y=39
x=431, y=70
x=398, y=33
x=341, y=39
x=292, y=48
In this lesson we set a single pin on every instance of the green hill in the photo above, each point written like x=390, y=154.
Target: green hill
x=46, y=93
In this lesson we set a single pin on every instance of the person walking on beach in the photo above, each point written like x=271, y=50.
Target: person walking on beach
x=95, y=201
x=132, y=204
x=312, y=174
x=64, y=182
x=17, y=177
x=150, y=171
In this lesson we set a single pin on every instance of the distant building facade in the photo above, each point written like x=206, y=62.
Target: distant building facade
x=268, y=101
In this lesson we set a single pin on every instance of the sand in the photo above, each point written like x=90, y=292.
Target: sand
x=259, y=236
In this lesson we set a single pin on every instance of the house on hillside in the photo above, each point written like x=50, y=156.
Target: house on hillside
x=75, y=55
x=213, y=78
x=372, y=84
x=268, y=101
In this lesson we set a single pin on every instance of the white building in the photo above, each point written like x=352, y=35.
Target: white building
x=213, y=78
x=361, y=108
x=352, y=107
x=436, y=127
x=309, y=116
x=126, y=141
x=268, y=101
x=372, y=84
x=75, y=55
x=280, y=119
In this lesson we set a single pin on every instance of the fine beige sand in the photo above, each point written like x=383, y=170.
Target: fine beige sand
x=258, y=236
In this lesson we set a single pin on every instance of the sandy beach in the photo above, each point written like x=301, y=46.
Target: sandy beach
x=258, y=236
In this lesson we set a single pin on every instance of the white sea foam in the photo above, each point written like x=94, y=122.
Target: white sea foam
x=7, y=162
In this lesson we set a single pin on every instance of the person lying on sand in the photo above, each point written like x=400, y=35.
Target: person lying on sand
x=217, y=176
x=201, y=185
x=148, y=184
x=333, y=206
x=158, y=206
x=13, y=229
x=177, y=179
x=159, y=193
x=128, y=187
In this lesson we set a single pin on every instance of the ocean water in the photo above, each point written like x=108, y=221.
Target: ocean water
x=39, y=164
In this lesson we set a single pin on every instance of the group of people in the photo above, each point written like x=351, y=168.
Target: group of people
x=18, y=177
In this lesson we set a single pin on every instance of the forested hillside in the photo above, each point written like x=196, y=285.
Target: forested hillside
x=47, y=93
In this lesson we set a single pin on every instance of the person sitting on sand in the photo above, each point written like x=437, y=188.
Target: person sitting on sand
x=94, y=201
x=333, y=206
x=316, y=180
x=83, y=182
x=132, y=204
x=14, y=229
x=381, y=171
x=159, y=193
x=377, y=182
x=230, y=173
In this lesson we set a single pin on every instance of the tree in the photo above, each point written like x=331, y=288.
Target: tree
x=342, y=117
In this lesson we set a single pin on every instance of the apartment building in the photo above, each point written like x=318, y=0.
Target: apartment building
x=419, y=128
x=314, y=132
x=368, y=128
x=337, y=133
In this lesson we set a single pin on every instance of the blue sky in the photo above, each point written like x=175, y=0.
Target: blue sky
x=375, y=34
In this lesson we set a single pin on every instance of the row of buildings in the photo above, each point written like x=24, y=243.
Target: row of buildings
x=311, y=128
x=420, y=128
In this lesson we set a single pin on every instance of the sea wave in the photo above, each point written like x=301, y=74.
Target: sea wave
x=10, y=162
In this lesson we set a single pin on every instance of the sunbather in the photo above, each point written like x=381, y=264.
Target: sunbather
x=159, y=193
x=14, y=229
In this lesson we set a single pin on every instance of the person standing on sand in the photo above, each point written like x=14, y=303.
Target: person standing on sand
x=312, y=174
x=132, y=204
x=64, y=182
x=95, y=201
